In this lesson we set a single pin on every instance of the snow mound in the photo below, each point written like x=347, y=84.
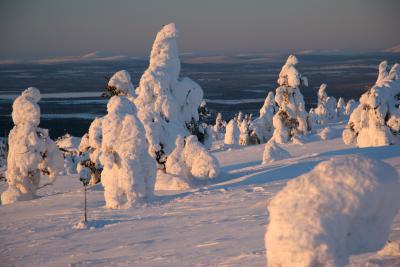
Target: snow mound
x=391, y=249
x=273, y=152
x=165, y=181
x=343, y=207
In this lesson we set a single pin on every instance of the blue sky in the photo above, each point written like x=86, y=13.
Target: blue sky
x=46, y=28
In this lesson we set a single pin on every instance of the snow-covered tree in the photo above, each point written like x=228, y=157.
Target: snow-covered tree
x=89, y=151
x=166, y=103
x=129, y=171
x=232, y=133
x=244, y=133
x=31, y=151
x=262, y=128
x=291, y=118
x=326, y=109
x=190, y=160
x=219, y=128
x=341, y=108
x=350, y=106
x=376, y=120
x=69, y=145
x=273, y=152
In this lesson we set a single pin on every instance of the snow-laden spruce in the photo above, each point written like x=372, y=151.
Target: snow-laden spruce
x=190, y=160
x=219, y=128
x=232, y=133
x=166, y=103
x=291, y=118
x=376, y=120
x=262, y=128
x=343, y=207
x=341, y=109
x=244, y=133
x=69, y=145
x=326, y=109
x=31, y=151
x=273, y=152
x=129, y=171
x=350, y=107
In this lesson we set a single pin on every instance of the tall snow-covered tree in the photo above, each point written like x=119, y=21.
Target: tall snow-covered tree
x=291, y=118
x=326, y=109
x=350, y=106
x=219, y=128
x=376, y=120
x=244, y=136
x=31, y=151
x=261, y=129
x=129, y=171
x=232, y=133
x=166, y=103
x=341, y=108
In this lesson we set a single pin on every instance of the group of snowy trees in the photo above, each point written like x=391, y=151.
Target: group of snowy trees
x=376, y=120
x=160, y=124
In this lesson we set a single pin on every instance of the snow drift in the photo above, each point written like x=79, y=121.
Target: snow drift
x=344, y=206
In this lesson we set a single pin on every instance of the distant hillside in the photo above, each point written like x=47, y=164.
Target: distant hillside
x=394, y=49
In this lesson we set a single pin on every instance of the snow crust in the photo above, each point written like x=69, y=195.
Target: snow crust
x=343, y=207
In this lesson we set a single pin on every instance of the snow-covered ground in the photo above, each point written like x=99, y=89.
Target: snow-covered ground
x=220, y=224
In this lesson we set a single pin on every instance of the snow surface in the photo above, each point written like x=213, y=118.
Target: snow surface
x=221, y=224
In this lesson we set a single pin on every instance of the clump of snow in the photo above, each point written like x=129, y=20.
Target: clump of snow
x=343, y=207
x=165, y=102
x=166, y=181
x=190, y=159
x=262, y=128
x=121, y=83
x=391, y=249
x=31, y=151
x=376, y=120
x=232, y=133
x=129, y=171
x=273, y=152
x=291, y=119
x=326, y=109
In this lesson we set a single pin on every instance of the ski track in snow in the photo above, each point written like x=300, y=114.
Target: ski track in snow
x=221, y=224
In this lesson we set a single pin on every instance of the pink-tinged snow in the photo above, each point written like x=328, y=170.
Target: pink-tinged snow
x=221, y=224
